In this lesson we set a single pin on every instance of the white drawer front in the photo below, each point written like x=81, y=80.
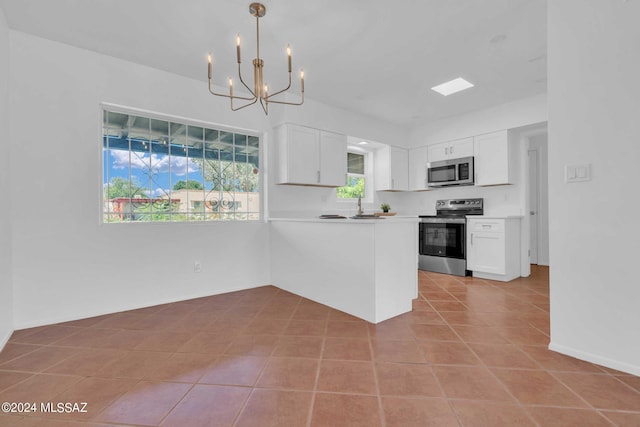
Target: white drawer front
x=495, y=226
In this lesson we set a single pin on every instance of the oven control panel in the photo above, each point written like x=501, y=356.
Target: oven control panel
x=454, y=204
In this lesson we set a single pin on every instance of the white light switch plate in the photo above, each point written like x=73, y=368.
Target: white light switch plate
x=578, y=173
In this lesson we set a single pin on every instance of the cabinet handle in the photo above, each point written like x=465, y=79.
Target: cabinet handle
x=318, y=177
x=393, y=183
x=451, y=150
x=446, y=150
x=486, y=226
x=471, y=239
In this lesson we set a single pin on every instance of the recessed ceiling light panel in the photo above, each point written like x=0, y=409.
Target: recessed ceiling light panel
x=452, y=86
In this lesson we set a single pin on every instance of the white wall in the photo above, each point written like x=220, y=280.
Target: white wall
x=594, y=63
x=6, y=294
x=514, y=114
x=66, y=265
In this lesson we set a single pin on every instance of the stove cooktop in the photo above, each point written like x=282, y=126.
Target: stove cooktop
x=457, y=208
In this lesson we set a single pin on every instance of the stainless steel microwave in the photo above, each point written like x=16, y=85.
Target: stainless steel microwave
x=450, y=172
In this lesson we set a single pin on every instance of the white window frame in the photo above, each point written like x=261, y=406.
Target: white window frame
x=368, y=176
x=262, y=182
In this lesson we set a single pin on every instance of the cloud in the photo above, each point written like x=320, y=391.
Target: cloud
x=159, y=164
x=160, y=192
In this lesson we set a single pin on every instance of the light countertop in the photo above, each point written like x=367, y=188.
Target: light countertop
x=387, y=219
x=494, y=216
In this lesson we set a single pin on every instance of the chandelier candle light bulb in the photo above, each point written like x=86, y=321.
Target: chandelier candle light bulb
x=238, y=47
x=260, y=91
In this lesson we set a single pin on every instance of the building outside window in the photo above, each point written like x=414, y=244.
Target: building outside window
x=164, y=170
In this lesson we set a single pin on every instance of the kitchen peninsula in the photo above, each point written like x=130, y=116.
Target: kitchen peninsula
x=364, y=267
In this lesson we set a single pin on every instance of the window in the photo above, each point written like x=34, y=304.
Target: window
x=159, y=170
x=355, y=177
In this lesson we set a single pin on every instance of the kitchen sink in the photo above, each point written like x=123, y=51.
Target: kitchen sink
x=366, y=216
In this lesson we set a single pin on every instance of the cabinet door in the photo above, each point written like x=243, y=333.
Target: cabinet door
x=492, y=157
x=333, y=159
x=303, y=166
x=486, y=252
x=437, y=152
x=418, y=169
x=460, y=148
x=399, y=169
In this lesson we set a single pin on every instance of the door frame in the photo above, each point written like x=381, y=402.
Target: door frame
x=525, y=137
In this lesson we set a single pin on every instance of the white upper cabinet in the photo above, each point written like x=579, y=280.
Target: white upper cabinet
x=333, y=159
x=492, y=159
x=418, y=158
x=308, y=156
x=451, y=150
x=391, y=169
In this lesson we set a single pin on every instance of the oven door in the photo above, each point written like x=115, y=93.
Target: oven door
x=443, y=237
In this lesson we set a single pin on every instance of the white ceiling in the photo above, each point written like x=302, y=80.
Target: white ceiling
x=376, y=57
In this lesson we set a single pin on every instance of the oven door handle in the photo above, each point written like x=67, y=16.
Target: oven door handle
x=443, y=220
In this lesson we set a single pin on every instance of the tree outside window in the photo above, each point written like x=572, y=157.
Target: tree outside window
x=160, y=170
x=355, y=177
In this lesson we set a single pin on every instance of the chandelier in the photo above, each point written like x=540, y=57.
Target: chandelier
x=260, y=90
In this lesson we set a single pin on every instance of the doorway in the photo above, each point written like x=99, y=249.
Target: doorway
x=538, y=200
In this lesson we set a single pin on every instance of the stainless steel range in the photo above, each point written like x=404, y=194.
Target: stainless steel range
x=442, y=240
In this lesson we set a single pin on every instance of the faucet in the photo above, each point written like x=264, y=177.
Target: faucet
x=360, y=205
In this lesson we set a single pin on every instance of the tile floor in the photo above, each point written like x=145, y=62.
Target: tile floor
x=472, y=353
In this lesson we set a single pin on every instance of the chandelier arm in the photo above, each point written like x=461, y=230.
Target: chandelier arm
x=214, y=93
x=245, y=85
x=229, y=96
x=288, y=103
x=280, y=91
x=255, y=99
x=265, y=108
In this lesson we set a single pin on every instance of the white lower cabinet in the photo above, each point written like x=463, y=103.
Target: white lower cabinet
x=493, y=247
x=362, y=267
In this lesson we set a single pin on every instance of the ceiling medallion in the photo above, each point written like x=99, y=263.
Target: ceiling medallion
x=260, y=90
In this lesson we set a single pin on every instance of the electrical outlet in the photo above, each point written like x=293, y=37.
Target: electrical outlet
x=197, y=267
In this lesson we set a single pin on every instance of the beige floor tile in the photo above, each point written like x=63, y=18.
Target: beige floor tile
x=345, y=410
x=275, y=408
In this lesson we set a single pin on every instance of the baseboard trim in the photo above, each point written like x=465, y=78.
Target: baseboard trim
x=594, y=358
x=5, y=340
x=86, y=315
